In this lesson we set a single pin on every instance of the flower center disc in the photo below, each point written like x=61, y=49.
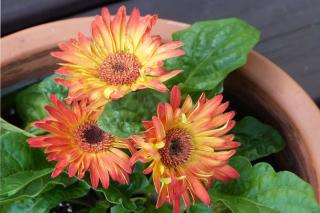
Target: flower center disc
x=91, y=138
x=177, y=149
x=119, y=69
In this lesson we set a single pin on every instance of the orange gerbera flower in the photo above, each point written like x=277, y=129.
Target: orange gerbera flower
x=78, y=143
x=121, y=57
x=187, y=147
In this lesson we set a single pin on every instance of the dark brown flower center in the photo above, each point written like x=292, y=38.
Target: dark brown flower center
x=120, y=68
x=177, y=149
x=91, y=138
x=93, y=134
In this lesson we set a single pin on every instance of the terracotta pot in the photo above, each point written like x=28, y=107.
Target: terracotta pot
x=259, y=86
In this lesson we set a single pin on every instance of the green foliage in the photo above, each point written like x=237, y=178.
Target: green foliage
x=47, y=86
x=4, y=125
x=119, y=209
x=198, y=207
x=15, y=153
x=47, y=200
x=257, y=139
x=121, y=194
x=213, y=50
x=16, y=156
x=138, y=183
x=101, y=206
x=261, y=189
x=123, y=118
x=25, y=174
x=116, y=196
x=165, y=208
x=19, y=186
x=143, y=206
x=30, y=102
x=12, y=184
x=135, y=197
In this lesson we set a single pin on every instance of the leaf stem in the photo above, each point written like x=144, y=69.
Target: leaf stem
x=6, y=125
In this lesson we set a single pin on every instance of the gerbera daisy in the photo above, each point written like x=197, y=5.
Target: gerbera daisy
x=187, y=147
x=78, y=143
x=120, y=57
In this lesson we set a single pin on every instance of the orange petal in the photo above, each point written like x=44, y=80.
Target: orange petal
x=159, y=130
x=169, y=75
x=175, y=97
x=162, y=196
x=118, y=28
x=199, y=190
x=157, y=85
x=94, y=175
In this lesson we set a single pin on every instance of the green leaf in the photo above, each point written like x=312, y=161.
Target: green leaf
x=24, y=171
x=257, y=139
x=139, y=167
x=15, y=153
x=30, y=102
x=48, y=87
x=123, y=118
x=165, y=208
x=40, y=182
x=101, y=206
x=209, y=93
x=138, y=182
x=119, y=209
x=140, y=206
x=7, y=126
x=213, y=50
x=12, y=184
x=261, y=189
x=116, y=196
x=17, y=156
x=45, y=201
x=220, y=207
x=199, y=208
x=243, y=205
x=127, y=197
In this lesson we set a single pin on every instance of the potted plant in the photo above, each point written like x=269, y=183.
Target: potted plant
x=190, y=152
